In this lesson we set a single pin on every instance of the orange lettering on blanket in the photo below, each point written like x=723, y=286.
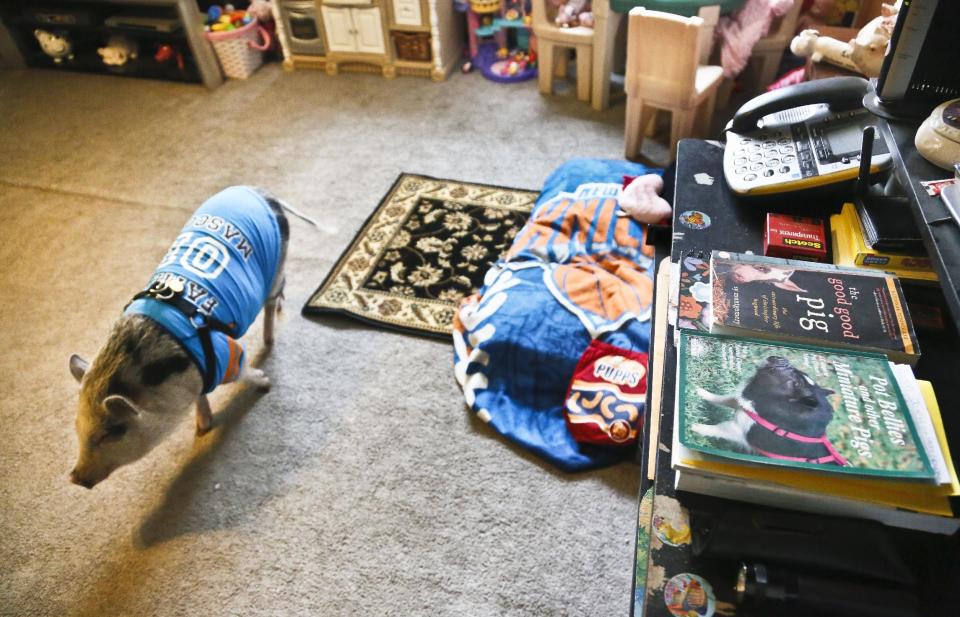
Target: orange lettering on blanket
x=591, y=287
x=608, y=213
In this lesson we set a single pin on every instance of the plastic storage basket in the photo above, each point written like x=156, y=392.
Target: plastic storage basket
x=238, y=50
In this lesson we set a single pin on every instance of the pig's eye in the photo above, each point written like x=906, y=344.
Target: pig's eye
x=114, y=432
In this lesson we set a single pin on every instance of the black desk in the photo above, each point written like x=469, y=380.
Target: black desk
x=941, y=235
x=737, y=226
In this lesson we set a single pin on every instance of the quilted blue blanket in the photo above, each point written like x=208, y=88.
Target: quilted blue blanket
x=577, y=271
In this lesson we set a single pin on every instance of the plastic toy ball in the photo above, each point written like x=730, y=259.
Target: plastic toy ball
x=512, y=69
x=228, y=8
x=214, y=13
x=224, y=19
x=502, y=52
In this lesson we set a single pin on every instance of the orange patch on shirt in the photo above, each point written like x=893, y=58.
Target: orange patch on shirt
x=233, y=364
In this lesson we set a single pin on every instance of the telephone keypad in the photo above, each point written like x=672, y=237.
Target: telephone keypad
x=769, y=157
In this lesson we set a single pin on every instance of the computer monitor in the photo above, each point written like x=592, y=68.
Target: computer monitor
x=921, y=68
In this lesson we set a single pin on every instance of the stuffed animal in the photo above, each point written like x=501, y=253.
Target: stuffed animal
x=261, y=10
x=870, y=45
x=641, y=199
x=56, y=45
x=863, y=54
x=573, y=13
x=119, y=50
x=820, y=48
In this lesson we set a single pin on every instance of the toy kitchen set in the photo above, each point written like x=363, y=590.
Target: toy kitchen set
x=390, y=37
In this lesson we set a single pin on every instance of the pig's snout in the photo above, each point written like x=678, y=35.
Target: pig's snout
x=85, y=483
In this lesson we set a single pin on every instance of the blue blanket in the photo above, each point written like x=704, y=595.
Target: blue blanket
x=577, y=271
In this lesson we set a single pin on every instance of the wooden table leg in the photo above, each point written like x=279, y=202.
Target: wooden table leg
x=605, y=24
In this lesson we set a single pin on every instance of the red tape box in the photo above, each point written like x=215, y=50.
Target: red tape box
x=794, y=237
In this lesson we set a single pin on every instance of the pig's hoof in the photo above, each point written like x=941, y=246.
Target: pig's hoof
x=203, y=430
x=263, y=384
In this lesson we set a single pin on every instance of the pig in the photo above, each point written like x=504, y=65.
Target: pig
x=224, y=267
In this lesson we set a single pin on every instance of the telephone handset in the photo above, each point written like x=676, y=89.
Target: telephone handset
x=800, y=137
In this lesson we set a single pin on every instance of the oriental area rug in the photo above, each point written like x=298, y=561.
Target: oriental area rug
x=427, y=245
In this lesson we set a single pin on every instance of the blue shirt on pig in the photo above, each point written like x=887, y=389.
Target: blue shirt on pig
x=226, y=258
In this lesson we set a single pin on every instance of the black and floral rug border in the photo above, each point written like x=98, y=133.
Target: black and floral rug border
x=425, y=247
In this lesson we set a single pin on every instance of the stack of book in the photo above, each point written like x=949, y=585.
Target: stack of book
x=863, y=238
x=794, y=389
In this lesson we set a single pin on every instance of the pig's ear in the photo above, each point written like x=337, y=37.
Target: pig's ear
x=120, y=407
x=78, y=366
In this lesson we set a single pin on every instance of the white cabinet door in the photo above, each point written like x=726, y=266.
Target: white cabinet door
x=369, y=31
x=407, y=12
x=339, y=28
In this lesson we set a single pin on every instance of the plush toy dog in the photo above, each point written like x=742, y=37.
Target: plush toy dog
x=863, y=54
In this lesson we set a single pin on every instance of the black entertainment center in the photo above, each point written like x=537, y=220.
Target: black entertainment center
x=158, y=39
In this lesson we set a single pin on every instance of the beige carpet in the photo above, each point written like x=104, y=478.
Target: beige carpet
x=359, y=485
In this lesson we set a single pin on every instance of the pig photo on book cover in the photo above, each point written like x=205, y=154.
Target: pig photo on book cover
x=797, y=406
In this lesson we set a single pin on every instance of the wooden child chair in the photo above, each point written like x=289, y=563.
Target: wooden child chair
x=664, y=72
x=553, y=42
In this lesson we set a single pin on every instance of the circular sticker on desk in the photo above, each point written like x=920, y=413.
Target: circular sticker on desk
x=694, y=219
x=670, y=530
x=671, y=521
x=688, y=595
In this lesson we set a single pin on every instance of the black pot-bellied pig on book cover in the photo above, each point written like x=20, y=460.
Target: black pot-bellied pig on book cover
x=817, y=304
x=796, y=406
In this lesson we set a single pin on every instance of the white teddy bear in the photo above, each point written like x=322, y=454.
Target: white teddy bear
x=119, y=50
x=57, y=46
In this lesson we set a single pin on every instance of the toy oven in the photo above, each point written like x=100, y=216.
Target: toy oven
x=301, y=27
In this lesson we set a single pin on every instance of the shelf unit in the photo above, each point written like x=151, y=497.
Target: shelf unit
x=200, y=63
